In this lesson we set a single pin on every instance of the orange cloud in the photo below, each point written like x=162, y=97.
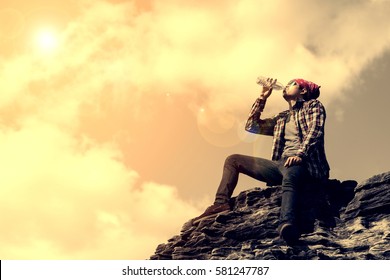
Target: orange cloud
x=63, y=198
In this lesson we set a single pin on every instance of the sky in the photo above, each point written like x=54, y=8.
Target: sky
x=116, y=116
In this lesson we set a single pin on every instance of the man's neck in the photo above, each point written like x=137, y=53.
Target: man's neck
x=292, y=102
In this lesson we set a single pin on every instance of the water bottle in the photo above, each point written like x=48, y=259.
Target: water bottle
x=263, y=82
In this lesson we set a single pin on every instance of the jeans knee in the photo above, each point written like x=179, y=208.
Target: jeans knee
x=232, y=159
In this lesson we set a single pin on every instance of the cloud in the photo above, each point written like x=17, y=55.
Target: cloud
x=68, y=198
x=213, y=52
x=66, y=188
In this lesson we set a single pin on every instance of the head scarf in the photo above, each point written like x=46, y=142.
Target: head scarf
x=313, y=89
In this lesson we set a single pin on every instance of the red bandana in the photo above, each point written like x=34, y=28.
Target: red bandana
x=312, y=88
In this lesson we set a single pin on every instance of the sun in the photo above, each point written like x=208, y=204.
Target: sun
x=46, y=40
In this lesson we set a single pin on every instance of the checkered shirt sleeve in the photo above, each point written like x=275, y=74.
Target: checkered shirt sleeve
x=255, y=125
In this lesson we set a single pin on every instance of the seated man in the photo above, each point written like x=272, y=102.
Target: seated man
x=298, y=152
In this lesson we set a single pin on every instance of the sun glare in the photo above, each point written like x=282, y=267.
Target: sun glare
x=46, y=40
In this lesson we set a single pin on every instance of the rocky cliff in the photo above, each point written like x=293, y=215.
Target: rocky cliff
x=341, y=220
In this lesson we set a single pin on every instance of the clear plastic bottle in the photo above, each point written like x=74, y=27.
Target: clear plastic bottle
x=263, y=82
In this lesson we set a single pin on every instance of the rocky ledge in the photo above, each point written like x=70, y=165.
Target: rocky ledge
x=341, y=220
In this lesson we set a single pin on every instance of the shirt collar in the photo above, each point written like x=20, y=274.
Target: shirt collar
x=298, y=104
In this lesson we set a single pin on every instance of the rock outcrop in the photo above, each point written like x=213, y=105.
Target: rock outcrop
x=341, y=220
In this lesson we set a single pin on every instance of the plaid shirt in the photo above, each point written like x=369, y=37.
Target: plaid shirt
x=309, y=118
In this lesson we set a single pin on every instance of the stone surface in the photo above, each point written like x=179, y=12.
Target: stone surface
x=340, y=220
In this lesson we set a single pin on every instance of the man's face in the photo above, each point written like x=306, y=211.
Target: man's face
x=292, y=90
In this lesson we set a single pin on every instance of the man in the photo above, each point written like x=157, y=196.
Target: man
x=298, y=152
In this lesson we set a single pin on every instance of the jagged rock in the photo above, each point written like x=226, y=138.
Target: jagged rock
x=372, y=198
x=339, y=220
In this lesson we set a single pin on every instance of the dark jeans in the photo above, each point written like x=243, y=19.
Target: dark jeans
x=271, y=172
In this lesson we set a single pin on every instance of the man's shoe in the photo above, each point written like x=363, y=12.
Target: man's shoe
x=212, y=211
x=289, y=233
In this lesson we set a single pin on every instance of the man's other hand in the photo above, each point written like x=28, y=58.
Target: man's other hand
x=295, y=160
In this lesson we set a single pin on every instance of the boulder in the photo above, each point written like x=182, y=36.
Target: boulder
x=337, y=220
